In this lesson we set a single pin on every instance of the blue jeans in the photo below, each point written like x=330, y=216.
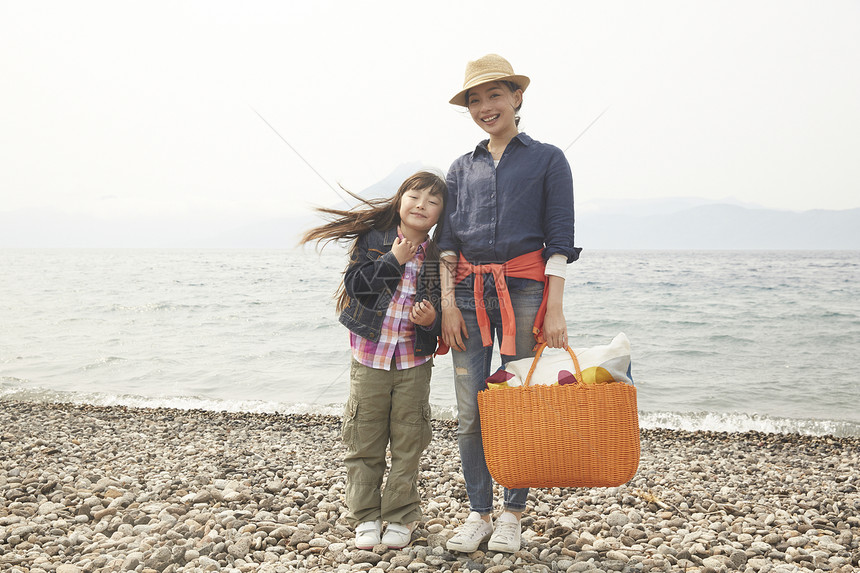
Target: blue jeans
x=472, y=368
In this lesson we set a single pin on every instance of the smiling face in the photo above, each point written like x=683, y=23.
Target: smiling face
x=493, y=107
x=419, y=211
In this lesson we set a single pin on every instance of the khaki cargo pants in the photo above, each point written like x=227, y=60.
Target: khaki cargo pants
x=385, y=408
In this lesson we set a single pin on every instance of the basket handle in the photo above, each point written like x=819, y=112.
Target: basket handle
x=540, y=350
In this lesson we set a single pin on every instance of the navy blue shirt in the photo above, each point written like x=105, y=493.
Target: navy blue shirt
x=494, y=214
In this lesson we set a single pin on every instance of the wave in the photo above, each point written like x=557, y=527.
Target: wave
x=733, y=422
x=741, y=422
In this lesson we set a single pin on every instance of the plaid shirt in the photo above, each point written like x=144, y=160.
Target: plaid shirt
x=397, y=337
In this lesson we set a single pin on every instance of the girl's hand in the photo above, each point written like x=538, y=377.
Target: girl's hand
x=423, y=313
x=453, y=327
x=404, y=250
x=555, y=329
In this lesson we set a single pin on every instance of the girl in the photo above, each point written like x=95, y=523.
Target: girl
x=389, y=300
x=507, y=238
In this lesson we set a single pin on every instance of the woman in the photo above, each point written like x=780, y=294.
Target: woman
x=507, y=238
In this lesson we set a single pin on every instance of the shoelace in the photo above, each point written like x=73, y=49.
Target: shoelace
x=471, y=528
x=506, y=531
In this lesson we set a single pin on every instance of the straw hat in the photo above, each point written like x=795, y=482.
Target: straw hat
x=490, y=68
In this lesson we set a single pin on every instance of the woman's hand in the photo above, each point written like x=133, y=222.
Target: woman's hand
x=555, y=329
x=554, y=326
x=423, y=313
x=453, y=327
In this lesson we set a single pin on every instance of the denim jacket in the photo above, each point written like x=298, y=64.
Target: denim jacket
x=370, y=281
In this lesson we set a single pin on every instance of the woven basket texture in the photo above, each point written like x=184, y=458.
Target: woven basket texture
x=561, y=436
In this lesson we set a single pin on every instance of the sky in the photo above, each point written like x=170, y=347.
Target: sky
x=120, y=110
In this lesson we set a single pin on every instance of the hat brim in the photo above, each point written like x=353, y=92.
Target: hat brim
x=460, y=99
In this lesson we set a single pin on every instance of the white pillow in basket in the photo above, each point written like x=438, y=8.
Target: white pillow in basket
x=609, y=362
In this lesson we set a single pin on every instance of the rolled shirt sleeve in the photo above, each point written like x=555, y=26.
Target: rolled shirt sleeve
x=556, y=266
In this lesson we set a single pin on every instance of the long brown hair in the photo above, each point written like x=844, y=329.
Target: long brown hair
x=346, y=226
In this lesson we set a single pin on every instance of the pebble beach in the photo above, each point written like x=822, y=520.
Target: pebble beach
x=103, y=489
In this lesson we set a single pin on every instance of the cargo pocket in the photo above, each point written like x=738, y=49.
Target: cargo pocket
x=426, y=427
x=348, y=431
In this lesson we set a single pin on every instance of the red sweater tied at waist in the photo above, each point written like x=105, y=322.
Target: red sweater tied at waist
x=528, y=266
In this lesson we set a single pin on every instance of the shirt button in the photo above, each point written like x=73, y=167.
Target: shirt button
x=491, y=241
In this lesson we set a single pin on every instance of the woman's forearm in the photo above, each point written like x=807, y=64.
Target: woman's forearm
x=554, y=324
x=447, y=267
x=555, y=293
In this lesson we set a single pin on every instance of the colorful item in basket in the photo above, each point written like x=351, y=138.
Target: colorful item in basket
x=597, y=375
x=499, y=379
x=566, y=377
x=599, y=364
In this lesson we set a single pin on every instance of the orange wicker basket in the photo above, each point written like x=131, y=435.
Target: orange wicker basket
x=576, y=435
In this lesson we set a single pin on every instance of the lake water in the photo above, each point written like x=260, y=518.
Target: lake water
x=721, y=340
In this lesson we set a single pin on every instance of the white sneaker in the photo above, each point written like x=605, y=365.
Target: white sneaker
x=471, y=534
x=367, y=534
x=507, y=537
x=397, y=535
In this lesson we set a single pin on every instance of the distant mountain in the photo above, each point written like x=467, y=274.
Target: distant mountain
x=711, y=227
x=285, y=232
x=678, y=223
x=391, y=183
x=720, y=226
x=53, y=228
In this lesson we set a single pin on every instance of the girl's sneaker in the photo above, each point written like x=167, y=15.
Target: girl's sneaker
x=471, y=534
x=397, y=535
x=507, y=536
x=367, y=534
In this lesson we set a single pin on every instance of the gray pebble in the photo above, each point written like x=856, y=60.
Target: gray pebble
x=173, y=491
